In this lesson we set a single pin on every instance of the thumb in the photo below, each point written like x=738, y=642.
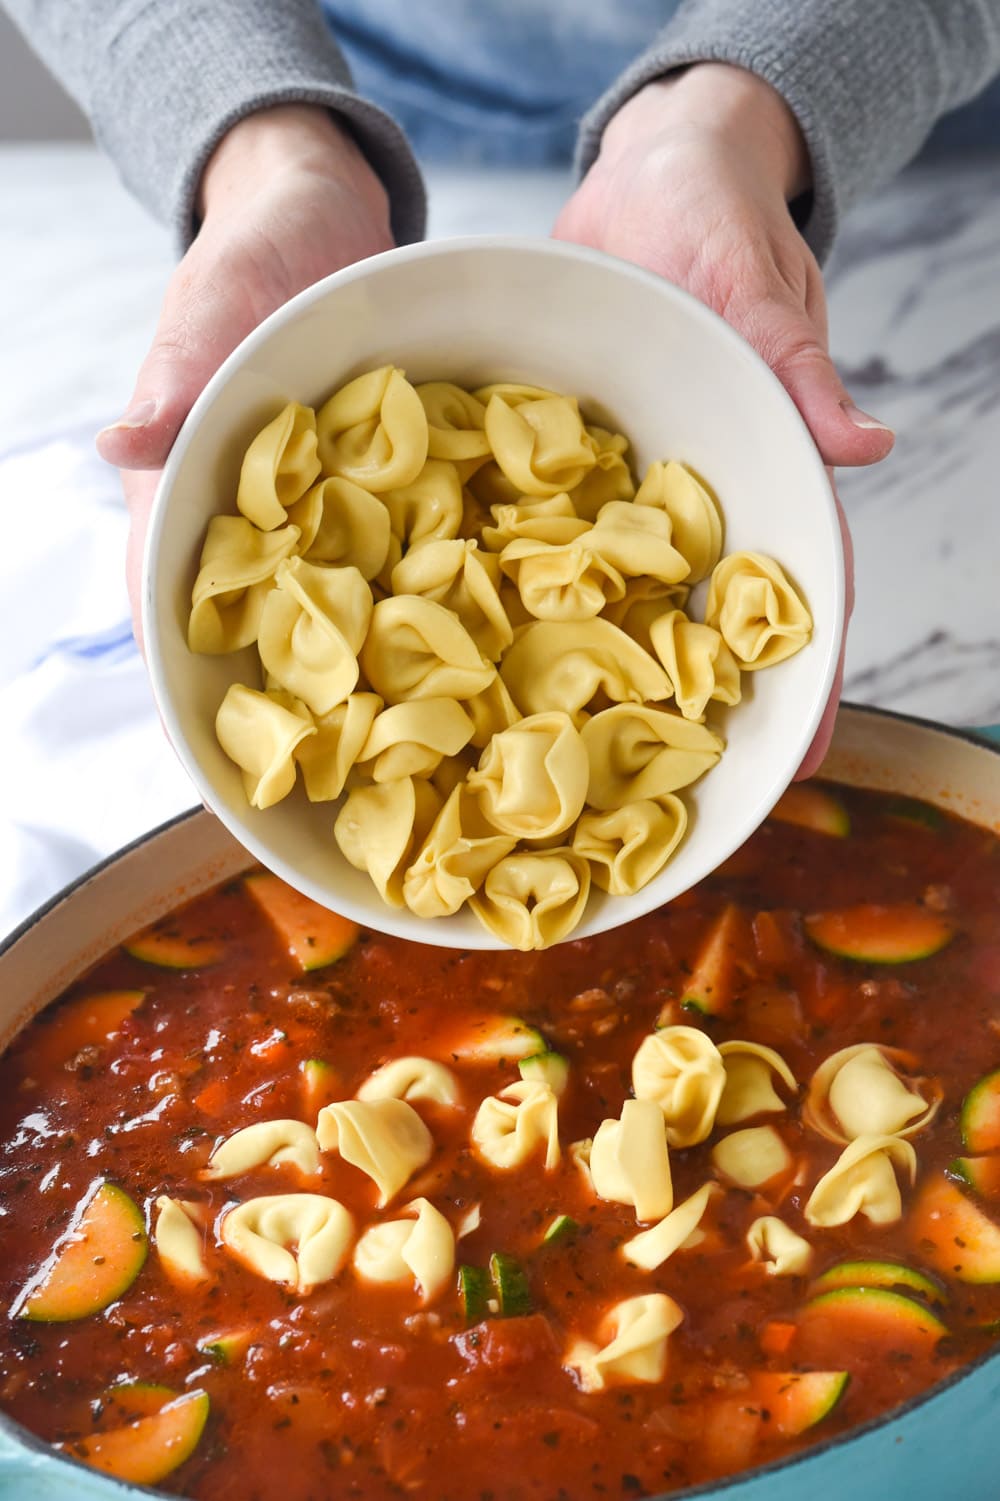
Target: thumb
x=842, y=432
x=196, y=332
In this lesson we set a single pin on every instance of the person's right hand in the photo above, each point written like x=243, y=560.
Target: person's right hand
x=286, y=199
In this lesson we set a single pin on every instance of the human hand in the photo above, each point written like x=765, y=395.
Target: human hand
x=286, y=199
x=693, y=181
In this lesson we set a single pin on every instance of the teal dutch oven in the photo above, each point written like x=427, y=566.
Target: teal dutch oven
x=941, y=1445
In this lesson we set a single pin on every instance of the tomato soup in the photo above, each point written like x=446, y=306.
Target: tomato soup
x=293, y=1211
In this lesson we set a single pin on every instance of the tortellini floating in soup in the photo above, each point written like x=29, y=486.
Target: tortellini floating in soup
x=278, y=467
x=534, y=898
x=374, y=431
x=751, y=1069
x=311, y=630
x=411, y=1078
x=179, y=1238
x=299, y=1240
x=236, y=574
x=864, y=1090
x=511, y=1127
x=695, y=523
x=639, y=752
x=759, y=612
x=421, y=1249
x=651, y=1248
x=681, y=1069
x=265, y=1143
x=627, y=846
x=752, y=1157
x=385, y=1138
x=863, y=1181
x=629, y=1162
x=470, y=625
x=636, y=1350
x=779, y=1249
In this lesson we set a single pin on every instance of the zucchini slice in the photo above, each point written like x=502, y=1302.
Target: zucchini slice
x=812, y=807
x=165, y=947
x=546, y=1068
x=871, y=1316
x=475, y=1290
x=97, y=1260
x=875, y=934
x=979, y=1121
x=511, y=1285
x=890, y=1274
x=494, y=1039
x=710, y=987
x=979, y=1173
x=147, y=1449
x=911, y=810
x=561, y=1228
x=796, y=1400
x=229, y=1348
x=313, y=936
x=954, y=1233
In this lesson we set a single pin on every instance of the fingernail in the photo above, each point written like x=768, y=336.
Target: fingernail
x=862, y=419
x=137, y=416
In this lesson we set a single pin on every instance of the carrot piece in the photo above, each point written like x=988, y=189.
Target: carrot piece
x=776, y=1337
x=213, y=1098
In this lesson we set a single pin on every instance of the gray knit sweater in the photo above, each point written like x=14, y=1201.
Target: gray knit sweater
x=163, y=80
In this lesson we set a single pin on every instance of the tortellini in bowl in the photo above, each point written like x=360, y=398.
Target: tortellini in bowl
x=453, y=490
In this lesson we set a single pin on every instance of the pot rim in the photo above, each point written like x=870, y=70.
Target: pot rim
x=725, y=1486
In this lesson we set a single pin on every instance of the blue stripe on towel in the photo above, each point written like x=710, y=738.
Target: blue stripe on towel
x=114, y=644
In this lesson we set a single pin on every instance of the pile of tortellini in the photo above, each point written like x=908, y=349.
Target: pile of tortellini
x=470, y=618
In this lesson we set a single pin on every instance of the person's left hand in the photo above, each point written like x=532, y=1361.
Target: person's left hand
x=693, y=182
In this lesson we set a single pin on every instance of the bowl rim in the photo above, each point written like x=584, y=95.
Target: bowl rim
x=399, y=922
x=24, y=1439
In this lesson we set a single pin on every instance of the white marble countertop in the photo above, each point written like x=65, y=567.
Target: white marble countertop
x=915, y=319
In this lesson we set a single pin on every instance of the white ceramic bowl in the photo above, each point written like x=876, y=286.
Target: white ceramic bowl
x=645, y=359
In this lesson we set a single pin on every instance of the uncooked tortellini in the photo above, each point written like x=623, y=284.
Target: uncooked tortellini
x=651, y=1248
x=750, y=1072
x=470, y=626
x=627, y=846
x=179, y=1238
x=411, y=1079
x=531, y=780
x=374, y=431
x=298, y=1240
x=265, y=1143
x=695, y=523
x=534, y=898
x=760, y=614
x=638, y=752
x=778, y=1248
x=311, y=629
x=278, y=467
x=629, y=1163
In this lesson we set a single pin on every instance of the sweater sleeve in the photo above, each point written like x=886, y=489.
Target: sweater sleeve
x=162, y=81
x=866, y=79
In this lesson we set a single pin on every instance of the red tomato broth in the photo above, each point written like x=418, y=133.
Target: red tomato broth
x=356, y=1389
